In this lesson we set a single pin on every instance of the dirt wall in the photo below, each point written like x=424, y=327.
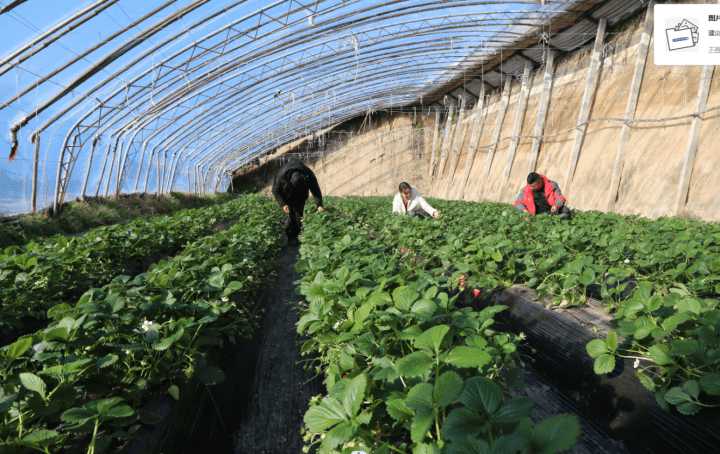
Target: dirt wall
x=370, y=156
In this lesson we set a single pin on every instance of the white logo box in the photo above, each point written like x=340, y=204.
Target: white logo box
x=687, y=35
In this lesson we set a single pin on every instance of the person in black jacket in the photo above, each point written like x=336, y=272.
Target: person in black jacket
x=291, y=189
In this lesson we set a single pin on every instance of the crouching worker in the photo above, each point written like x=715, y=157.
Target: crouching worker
x=291, y=189
x=409, y=201
x=540, y=196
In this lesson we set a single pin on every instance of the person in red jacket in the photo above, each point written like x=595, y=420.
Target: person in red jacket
x=541, y=195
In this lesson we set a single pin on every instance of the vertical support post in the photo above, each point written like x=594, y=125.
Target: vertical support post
x=119, y=168
x=443, y=151
x=188, y=177
x=435, y=142
x=147, y=175
x=102, y=173
x=56, y=200
x=456, y=145
x=87, y=171
x=542, y=111
x=473, y=143
x=502, y=109
x=36, y=157
x=112, y=163
x=590, y=87
x=631, y=106
x=691, y=149
x=517, y=128
x=142, y=160
x=157, y=191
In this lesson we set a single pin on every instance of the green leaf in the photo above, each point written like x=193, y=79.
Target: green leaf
x=414, y=364
x=676, y=396
x=689, y=305
x=661, y=355
x=432, y=338
x=18, y=348
x=710, y=383
x=211, y=376
x=497, y=256
x=163, y=344
x=174, y=391
x=328, y=413
x=685, y=347
x=692, y=388
x=431, y=448
x=354, y=394
x=33, y=383
x=463, y=422
x=398, y=410
x=338, y=435
x=604, y=364
x=597, y=347
x=611, y=341
x=556, y=434
x=106, y=361
x=688, y=408
x=447, y=388
x=121, y=411
x=77, y=415
x=148, y=417
x=420, y=425
x=6, y=400
x=514, y=410
x=462, y=356
x=469, y=445
x=481, y=394
x=420, y=398
x=405, y=298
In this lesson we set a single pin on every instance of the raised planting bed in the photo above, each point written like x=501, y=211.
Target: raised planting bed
x=616, y=403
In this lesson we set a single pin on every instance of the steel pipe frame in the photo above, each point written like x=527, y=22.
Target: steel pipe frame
x=126, y=154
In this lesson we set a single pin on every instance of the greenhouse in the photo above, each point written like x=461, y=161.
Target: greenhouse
x=512, y=246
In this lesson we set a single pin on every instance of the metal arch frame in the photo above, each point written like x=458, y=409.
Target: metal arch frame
x=174, y=101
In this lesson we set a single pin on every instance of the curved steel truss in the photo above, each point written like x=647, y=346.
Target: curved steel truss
x=197, y=88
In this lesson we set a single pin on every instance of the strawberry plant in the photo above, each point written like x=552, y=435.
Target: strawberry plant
x=89, y=372
x=406, y=368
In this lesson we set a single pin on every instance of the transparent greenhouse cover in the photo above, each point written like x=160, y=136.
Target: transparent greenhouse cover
x=141, y=95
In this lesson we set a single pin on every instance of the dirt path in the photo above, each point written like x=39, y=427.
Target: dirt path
x=271, y=422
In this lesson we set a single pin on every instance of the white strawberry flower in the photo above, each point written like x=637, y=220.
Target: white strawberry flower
x=636, y=363
x=626, y=260
x=97, y=238
x=146, y=325
x=224, y=299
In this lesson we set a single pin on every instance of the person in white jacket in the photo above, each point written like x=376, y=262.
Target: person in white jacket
x=409, y=200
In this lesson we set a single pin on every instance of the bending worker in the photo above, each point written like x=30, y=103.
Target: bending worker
x=291, y=189
x=541, y=195
x=410, y=201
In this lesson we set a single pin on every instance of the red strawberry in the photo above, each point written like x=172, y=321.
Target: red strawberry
x=461, y=284
x=664, y=294
x=344, y=376
x=476, y=292
x=462, y=278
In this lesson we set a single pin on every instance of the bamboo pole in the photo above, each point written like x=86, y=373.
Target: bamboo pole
x=590, y=87
x=459, y=137
x=693, y=139
x=477, y=132
x=112, y=164
x=102, y=173
x=517, y=128
x=87, y=171
x=434, y=145
x=502, y=109
x=542, y=111
x=631, y=106
x=36, y=157
x=443, y=151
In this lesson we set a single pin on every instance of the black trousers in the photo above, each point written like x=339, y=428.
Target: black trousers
x=416, y=215
x=293, y=222
x=564, y=211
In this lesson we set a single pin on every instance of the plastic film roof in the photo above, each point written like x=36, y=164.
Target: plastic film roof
x=156, y=95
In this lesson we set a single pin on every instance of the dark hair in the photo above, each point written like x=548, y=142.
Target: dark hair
x=404, y=186
x=298, y=180
x=533, y=177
